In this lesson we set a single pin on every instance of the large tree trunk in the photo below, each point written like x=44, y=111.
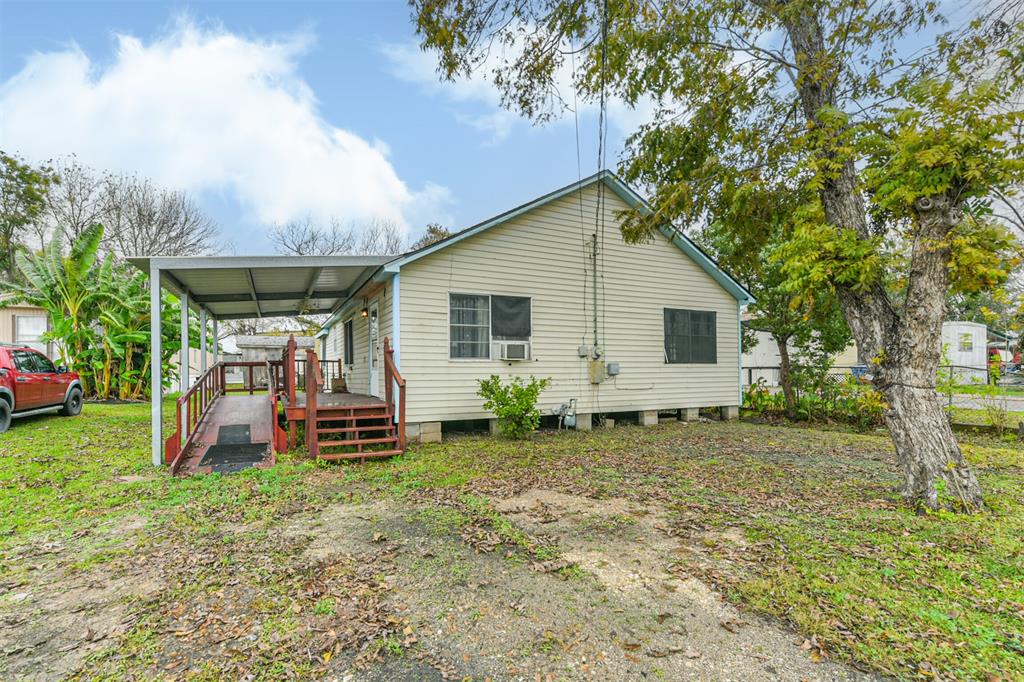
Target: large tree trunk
x=786, y=378
x=925, y=444
x=905, y=344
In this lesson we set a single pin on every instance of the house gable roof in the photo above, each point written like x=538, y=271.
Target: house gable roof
x=624, y=192
x=621, y=189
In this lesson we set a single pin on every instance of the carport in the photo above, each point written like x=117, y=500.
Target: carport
x=219, y=288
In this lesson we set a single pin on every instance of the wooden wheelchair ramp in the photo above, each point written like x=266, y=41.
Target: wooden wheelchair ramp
x=235, y=434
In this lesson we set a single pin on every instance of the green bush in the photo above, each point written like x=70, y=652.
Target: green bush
x=514, y=403
x=847, y=400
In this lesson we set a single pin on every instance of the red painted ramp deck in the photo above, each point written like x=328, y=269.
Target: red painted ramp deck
x=230, y=410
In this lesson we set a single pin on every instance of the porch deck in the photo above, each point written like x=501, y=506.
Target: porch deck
x=337, y=425
x=339, y=400
x=251, y=411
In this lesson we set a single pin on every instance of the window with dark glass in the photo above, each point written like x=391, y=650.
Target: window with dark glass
x=510, y=318
x=24, y=361
x=690, y=336
x=350, y=354
x=43, y=364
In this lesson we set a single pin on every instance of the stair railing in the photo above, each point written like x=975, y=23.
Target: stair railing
x=314, y=384
x=393, y=377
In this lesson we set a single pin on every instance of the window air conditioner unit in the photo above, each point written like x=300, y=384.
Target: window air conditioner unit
x=513, y=350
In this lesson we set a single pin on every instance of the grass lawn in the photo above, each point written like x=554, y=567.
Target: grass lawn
x=574, y=555
x=978, y=389
x=965, y=415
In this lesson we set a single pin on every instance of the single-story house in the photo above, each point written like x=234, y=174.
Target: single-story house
x=549, y=289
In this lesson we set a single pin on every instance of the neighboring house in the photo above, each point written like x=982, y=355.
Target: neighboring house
x=263, y=347
x=762, y=360
x=25, y=324
x=965, y=347
x=515, y=296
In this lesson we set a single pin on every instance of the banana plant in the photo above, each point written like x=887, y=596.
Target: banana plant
x=65, y=286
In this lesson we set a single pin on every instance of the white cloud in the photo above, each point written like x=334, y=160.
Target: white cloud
x=478, y=101
x=208, y=111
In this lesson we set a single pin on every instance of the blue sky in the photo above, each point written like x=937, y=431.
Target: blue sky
x=265, y=111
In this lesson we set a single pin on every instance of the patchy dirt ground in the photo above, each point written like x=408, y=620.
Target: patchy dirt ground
x=625, y=553
x=401, y=590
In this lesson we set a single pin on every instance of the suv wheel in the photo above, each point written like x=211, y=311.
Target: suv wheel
x=72, y=404
x=5, y=415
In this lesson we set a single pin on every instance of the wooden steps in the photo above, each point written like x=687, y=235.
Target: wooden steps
x=370, y=454
x=341, y=426
x=358, y=431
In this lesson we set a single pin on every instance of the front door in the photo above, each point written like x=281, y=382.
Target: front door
x=375, y=350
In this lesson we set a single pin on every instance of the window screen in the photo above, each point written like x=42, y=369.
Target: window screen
x=510, y=318
x=470, y=320
x=690, y=336
x=350, y=354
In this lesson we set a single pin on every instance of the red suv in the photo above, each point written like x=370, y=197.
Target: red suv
x=30, y=384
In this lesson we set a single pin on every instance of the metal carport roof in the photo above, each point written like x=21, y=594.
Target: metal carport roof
x=242, y=287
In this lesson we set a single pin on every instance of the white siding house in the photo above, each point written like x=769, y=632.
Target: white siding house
x=965, y=347
x=667, y=318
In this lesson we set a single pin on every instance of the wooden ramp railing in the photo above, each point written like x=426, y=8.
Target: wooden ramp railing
x=363, y=427
x=314, y=385
x=194, y=405
x=191, y=407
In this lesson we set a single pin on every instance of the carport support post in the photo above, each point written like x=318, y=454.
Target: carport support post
x=183, y=353
x=216, y=342
x=202, y=341
x=155, y=366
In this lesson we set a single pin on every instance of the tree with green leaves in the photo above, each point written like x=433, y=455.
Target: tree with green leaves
x=22, y=199
x=805, y=331
x=66, y=287
x=901, y=153
x=434, y=233
x=99, y=314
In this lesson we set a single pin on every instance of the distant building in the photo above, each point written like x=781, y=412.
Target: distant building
x=25, y=324
x=263, y=347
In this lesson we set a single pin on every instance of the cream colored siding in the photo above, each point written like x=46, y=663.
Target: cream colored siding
x=334, y=346
x=7, y=322
x=357, y=375
x=542, y=254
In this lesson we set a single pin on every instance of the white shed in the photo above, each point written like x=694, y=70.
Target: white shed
x=964, y=346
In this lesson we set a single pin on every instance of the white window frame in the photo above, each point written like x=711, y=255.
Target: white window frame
x=46, y=327
x=490, y=312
